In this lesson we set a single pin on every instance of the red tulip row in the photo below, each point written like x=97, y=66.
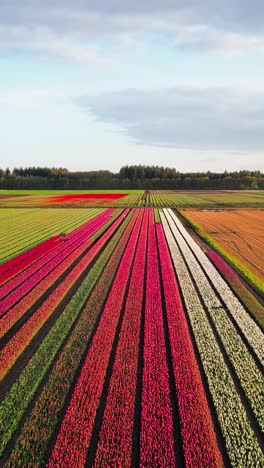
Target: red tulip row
x=75, y=433
x=37, y=431
x=199, y=440
x=156, y=438
x=57, y=266
x=115, y=440
x=44, y=265
x=242, y=292
x=19, y=263
x=16, y=345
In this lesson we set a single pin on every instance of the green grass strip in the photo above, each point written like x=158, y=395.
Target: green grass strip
x=21, y=393
x=157, y=215
x=242, y=292
x=242, y=269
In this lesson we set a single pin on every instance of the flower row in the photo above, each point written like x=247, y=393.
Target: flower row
x=44, y=279
x=197, y=430
x=116, y=434
x=252, y=304
x=247, y=325
x=19, y=263
x=41, y=422
x=104, y=215
x=241, y=443
x=29, y=276
x=75, y=432
x=156, y=436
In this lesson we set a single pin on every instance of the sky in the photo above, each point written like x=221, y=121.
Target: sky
x=91, y=85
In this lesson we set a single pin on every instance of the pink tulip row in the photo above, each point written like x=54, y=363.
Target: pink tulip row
x=75, y=433
x=115, y=439
x=56, y=268
x=22, y=338
x=156, y=437
x=29, y=277
x=19, y=263
x=104, y=215
x=199, y=440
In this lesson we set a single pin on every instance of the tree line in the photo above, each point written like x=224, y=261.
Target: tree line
x=129, y=177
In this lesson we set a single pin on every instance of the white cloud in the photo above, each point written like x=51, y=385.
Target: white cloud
x=181, y=117
x=204, y=38
x=46, y=43
x=71, y=30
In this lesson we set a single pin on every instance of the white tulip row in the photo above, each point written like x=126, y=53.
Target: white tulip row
x=247, y=325
x=250, y=377
x=241, y=444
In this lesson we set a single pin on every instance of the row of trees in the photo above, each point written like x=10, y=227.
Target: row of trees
x=129, y=177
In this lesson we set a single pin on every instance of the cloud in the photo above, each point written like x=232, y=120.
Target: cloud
x=41, y=41
x=228, y=14
x=71, y=30
x=181, y=117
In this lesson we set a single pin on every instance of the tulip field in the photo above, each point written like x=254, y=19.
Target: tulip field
x=131, y=198
x=124, y=342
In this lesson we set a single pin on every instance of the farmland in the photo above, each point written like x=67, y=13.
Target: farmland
x=64, y=199
x=131, y=198
x=241, y=233
x=123, y=342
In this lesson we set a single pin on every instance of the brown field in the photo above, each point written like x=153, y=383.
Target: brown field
x=239, y=232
